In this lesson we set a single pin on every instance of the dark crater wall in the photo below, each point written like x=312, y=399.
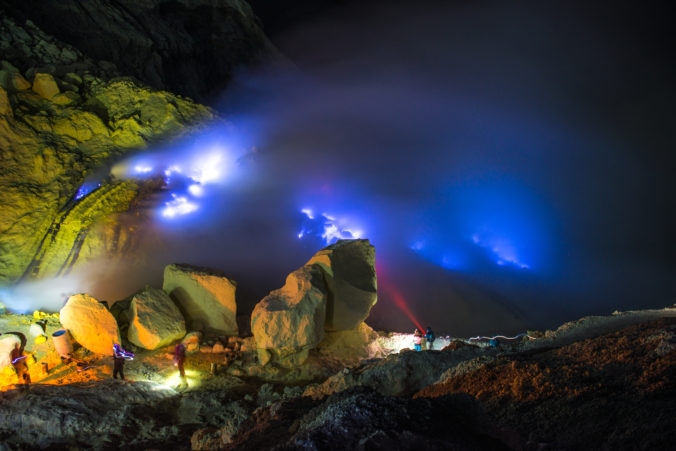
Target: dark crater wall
x=187, y=47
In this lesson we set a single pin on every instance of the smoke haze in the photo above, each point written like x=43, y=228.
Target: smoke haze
x=512, y=164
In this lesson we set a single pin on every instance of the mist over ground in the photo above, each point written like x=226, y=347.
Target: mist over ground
x=512, y=164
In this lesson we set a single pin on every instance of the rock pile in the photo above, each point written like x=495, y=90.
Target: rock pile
x=334, y=291
x=154, y=318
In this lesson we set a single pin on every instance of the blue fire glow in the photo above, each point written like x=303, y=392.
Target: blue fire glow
x=190, y=171
x=502, y=249
x=327, y=227
x=86, y=188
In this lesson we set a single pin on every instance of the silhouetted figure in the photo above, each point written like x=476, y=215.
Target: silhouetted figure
x=417, y=339
x=179, y=360
x=118, y=361
x=429, y=336
x=20, y=366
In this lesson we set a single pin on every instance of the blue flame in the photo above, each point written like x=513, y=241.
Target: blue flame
x=327, y=227
x=190, y=171
x=86, y=189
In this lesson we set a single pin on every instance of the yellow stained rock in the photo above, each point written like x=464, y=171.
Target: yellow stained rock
x=90, y=323
x=5, y=106
x=66, y=98
x=80, y=125
x=45, y=86
x=18, y=82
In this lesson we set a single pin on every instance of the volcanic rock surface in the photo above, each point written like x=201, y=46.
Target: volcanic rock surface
x=614, y=391
x=363, y=419
x=190, y=47
x=206, y=297
x=155, y=319
x=350, y=275
x=90, y=323
x=139, y=415
x=398, y=374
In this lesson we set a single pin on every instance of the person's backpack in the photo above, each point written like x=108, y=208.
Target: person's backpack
x=430, y=336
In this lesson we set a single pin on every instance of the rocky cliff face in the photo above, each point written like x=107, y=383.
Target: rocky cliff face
x=190, y=47
x=62, y=117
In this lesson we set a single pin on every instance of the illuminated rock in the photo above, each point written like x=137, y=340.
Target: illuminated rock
x=7, y=343
x=291, y=319
x=45, y=86
x=36, y=330
x=66, y=98
x=350, y=275
x=17, y=82
x=203, y=295
x=350, y=346
x=155, y=319
x=90, y=323
x=5, y=106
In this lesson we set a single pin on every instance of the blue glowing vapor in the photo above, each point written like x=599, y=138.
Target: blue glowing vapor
x=189, y=171
x=327, y=227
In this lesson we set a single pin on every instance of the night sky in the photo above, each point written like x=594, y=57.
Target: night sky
x=512, y=163
x=544, y=130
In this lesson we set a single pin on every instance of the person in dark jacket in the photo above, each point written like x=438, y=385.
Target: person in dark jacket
x=118, y=361
x=429, y=335
x=179, y=361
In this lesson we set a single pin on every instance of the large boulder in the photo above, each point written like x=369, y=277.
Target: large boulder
x=290, y=321
x=155, y=319
x=350, y=275
x=90, y=323
x=206, y=297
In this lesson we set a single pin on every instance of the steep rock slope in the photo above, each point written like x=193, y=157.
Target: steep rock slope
x=191, y=47
x=62, y=118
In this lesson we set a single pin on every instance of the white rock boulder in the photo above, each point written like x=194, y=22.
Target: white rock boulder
x=90, y=323
x=155, y=319
x=291, y=319
x=204, y=296
x=350, y=274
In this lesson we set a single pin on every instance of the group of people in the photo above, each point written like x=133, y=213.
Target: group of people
x=120, y=356
x=423, y=341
